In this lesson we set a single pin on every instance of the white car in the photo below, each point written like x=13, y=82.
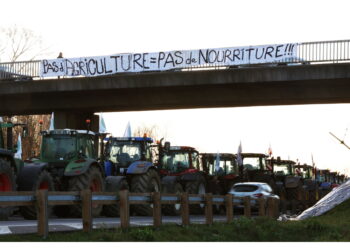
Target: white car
x=253, y=190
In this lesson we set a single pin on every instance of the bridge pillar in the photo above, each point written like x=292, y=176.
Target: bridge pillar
x=76, y=120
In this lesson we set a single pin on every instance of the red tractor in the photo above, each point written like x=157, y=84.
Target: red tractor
x=179, y=169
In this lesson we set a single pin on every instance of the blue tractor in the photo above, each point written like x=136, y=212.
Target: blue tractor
x=129, y=166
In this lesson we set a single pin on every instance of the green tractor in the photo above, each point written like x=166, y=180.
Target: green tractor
x=68, y=162
x=9, y=165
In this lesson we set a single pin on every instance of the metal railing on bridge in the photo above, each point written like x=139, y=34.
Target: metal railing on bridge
x=307, y=53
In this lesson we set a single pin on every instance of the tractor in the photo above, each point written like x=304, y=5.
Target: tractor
x=67, y=162
x=221, y=174
x=9, y=165
x=129, y=166
x=258, y=168
x=324, y=182
x=179, y=168
x=284, y=176
x=307, y=184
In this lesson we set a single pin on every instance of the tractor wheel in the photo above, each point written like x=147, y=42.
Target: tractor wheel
x=112, y=186
x=7, y=184
x=91, y=179
x=173, y=209
x=196, y=187
x=145, y=183
x=44, y=181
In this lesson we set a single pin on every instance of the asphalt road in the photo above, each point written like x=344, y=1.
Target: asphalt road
x=17, y=225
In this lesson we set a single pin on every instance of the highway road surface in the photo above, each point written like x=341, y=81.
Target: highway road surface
x=17, y=225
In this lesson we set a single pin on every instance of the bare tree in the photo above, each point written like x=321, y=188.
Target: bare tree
x=152, y=131
x=19, y=43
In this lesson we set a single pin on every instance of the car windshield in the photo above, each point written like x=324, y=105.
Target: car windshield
x=58, y=147
x=175, y=161
x=125, y=152
x=251, y=163
x=281, y=169
x=245, y=188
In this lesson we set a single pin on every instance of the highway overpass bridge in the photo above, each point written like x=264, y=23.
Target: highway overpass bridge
x=254, y=85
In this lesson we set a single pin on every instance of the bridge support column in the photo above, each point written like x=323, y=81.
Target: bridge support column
x=75, y=120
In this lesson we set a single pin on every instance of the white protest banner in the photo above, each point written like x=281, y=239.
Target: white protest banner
x=160, y=61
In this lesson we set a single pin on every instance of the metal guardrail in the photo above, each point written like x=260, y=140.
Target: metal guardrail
x=21, y=71
x=307, y=53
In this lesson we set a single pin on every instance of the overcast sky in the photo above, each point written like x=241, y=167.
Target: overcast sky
x=94, y=28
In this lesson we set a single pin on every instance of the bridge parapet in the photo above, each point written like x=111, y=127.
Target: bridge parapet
x=291, y=54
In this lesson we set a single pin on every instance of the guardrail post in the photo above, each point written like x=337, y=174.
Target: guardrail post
x=208, y=209
x=262, y=208
x=247, y=207
x=86, y=210
x=124, y=209
x=185, y=209
x=157, y=209
x=42, y=212
x=229, y=208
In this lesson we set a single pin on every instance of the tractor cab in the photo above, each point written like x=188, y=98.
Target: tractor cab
x=64, y=145
x=282, y=167
x=178, y=160
x=122, y=152
x=256, y=162
x=66, y=152
x=304, y=171
x=219, y=164
x=256, y=168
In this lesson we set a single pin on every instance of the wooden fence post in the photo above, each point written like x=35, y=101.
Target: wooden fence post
x=208, y=209
x=185, y=209
x=294, y=206
x=277, y=207
x=124, y=209
x=247, y=207
x=229, y=208
x=42, y=212
x=270, y=207
x=262, y=208
x=86, y=210
x=157, y=209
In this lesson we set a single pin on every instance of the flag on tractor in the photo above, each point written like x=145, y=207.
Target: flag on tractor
x=52, y=122
x=18, y=154
x=127, y=132
x=102, y=124
x=269, y=151
x=217, y=162
x=239, y=155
